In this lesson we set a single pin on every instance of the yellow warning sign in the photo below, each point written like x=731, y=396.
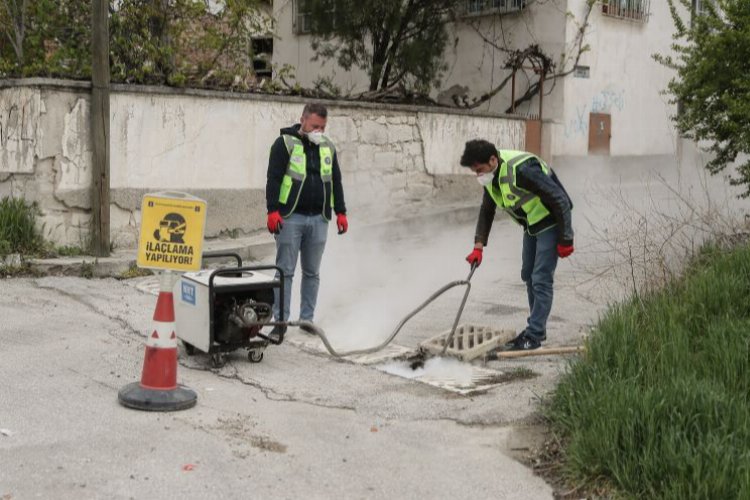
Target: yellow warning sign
x=171, y=231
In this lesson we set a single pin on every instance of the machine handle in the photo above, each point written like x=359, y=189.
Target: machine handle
x=217, y=255
x=239, y=270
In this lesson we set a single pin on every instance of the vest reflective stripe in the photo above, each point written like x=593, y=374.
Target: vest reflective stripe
x=326, y=161
x=296, y=170
x=511, y=197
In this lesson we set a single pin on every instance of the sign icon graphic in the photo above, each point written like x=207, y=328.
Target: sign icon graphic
x=171, y=231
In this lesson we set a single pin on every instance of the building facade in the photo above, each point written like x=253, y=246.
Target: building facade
x=609, y=102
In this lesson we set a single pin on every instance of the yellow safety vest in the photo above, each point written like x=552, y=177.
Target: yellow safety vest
x=510, y=197
x=296, y=171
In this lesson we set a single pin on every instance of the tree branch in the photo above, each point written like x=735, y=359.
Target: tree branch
x=540, y=62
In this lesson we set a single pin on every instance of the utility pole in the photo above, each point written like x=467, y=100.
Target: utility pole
x=100, y=127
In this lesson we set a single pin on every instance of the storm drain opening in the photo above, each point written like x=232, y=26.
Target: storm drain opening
x=469, y=341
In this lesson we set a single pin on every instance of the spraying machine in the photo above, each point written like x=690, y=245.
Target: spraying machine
x=221, y=310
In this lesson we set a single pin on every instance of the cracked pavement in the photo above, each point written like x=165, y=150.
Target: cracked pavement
x=295, y=425
x=300, y=424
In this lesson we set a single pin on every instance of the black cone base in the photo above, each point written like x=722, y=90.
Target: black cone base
x=140, y=398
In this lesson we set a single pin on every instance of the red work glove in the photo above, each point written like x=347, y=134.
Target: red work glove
x=564, y=250
x=341, y=223
x=475, y=257
x=275, y=222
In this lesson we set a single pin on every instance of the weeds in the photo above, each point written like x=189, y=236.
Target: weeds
x=24, y=270
x=18, y=231
x=646, y=244
x=135, y=272
x=69, y=251
x=87, y=270
x=659, y=407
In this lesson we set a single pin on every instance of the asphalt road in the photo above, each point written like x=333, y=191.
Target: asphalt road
x=302, y=424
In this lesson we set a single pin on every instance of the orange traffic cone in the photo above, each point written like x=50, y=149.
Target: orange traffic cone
x=158, y=389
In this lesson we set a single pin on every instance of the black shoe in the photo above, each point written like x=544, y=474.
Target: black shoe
x=525, y=343
x=512, y=343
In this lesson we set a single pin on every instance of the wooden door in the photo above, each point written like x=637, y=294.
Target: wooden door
x=534, y=137
x=600, y=132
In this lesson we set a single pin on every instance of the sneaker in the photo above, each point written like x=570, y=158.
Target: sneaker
x=525, y=343
x=512, y=343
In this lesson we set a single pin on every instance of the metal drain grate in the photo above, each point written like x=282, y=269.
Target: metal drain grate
x=469, y=341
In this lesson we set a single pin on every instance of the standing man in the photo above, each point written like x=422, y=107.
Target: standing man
x=526, y=188
x=303, y=190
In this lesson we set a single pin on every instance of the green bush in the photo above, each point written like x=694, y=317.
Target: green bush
x=660, y=405
x=165, y=42
x=18, y=232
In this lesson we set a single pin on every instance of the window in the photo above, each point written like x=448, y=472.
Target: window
x=632, y=10
x=482, y=7
x=700, y=6
x=303, y=22
x=262, y=54
x=581, y=72
x=304, y=18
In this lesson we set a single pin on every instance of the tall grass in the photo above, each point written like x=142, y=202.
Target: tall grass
x=18, y=232
x=660, y=405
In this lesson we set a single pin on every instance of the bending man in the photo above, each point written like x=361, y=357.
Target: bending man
x=529, y=191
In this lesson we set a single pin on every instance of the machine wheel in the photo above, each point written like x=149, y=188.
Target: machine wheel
x=218, y=360
x=255, y=355
x=189, y=348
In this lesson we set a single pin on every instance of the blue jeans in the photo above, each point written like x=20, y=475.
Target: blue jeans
x=303, y=235
x=538, y=271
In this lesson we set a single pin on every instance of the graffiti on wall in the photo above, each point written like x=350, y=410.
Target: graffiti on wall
x=579, y=125
x=605, y=101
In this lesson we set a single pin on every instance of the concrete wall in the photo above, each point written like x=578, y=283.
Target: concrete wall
x=624, y=81
x=45, y=156
x=215, y=146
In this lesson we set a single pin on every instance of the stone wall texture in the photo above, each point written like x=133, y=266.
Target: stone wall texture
x=215, y=145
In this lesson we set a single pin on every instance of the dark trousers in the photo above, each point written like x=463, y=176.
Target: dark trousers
x=538, y=271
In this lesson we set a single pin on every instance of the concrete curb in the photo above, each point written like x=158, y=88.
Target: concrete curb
x=251, y=248
x=122, y=262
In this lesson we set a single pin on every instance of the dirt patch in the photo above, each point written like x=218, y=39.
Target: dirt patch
x=535, y=446
x=268, y=444
x=241, y=433
x=520, y=373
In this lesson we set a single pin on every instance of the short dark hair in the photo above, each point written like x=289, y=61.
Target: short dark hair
x=477, y=151
x=315, y=108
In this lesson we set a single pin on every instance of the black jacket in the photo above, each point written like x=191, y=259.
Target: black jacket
x=529, y=176
x=315, y=194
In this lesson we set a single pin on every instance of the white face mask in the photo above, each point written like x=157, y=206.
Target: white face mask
x=315, y=137
x=486, y=179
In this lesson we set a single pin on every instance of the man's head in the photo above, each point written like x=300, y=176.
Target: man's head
x=314, y=118
x=480, y=156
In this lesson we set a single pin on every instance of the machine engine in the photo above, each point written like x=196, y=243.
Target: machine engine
x=237, y=318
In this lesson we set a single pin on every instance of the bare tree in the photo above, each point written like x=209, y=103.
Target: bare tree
x=531, y=58
x=14, y=25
